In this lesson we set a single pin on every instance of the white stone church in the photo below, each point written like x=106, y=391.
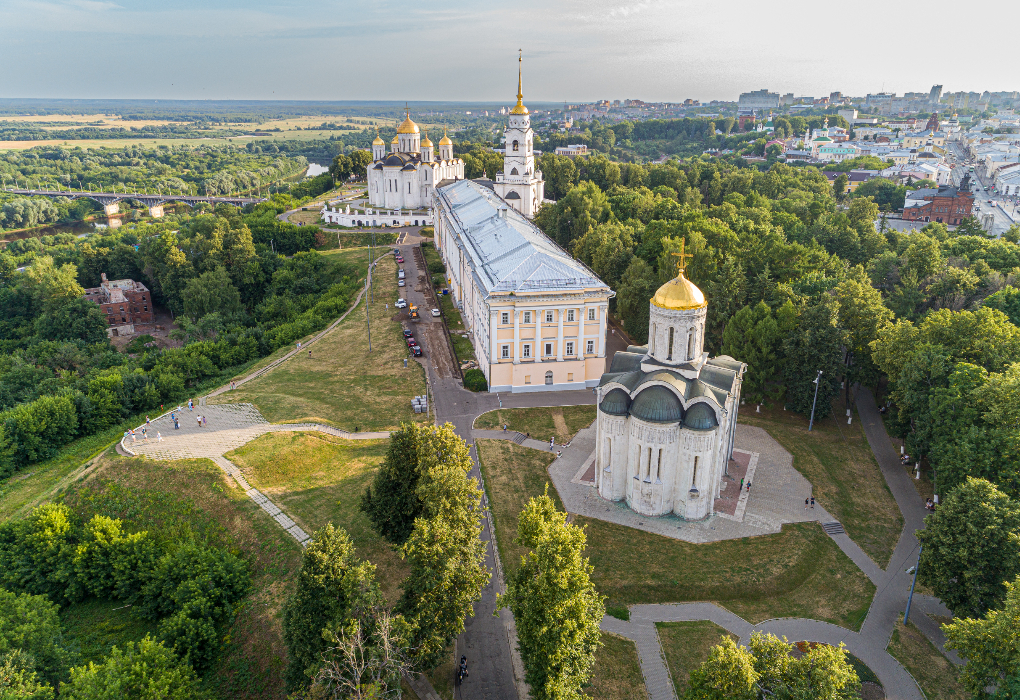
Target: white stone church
x=667, y=412
x=407, y=176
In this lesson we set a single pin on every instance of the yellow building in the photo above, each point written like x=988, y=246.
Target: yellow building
x=537, y=316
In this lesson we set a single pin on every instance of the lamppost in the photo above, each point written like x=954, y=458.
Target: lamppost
x=814, y=403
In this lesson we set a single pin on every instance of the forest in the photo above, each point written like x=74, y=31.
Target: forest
x=799, y=282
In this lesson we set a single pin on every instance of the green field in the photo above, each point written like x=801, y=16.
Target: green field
x=342, y=383
x=847, y=482
x=318, y=478
x=799, y=572
x=193, y=498
x=617, y=673
x=686, y=645
x=563, y=422
x=938, y=677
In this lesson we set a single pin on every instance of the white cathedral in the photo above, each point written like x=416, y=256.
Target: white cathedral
x=667, y=412
x=407, y=177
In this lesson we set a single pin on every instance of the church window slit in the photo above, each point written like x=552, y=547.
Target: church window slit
x=690, y=345
x=658, y=467
x=669, y=349
x=694, y=475
x=514, y=171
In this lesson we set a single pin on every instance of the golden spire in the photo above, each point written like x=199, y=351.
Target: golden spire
x=519, y=108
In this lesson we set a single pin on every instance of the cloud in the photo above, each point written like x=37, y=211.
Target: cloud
x=94, y=5
x=628, y=10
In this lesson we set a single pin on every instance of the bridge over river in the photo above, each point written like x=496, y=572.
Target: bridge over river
x=110, y=201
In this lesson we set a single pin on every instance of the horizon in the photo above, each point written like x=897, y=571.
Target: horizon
x=653, y=50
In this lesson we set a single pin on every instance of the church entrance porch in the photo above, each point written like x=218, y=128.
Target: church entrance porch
x=776, y=497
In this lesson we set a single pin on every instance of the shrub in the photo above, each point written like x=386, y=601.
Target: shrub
x=147, y=671
x=474, y=380
x=29, y=623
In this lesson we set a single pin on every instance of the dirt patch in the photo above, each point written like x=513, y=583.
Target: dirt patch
x=438, y=349
x=559, y=422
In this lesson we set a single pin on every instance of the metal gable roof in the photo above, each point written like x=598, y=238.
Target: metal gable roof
x=507, y=252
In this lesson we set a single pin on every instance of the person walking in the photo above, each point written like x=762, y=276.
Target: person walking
x=309, y=353
x=741, y=488
x=145, y=434
x=812, y=501
x=204, y=421
x=191, y=404
x=147, y=421
x=552, y=444
x=159, y=437
x=806, y=503
x=749, y=487
x=504, y=428
x=199, y=419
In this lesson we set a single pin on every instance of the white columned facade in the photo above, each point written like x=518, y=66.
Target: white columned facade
x=559, y=334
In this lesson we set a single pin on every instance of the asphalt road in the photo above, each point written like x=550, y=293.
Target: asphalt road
x=983, y=193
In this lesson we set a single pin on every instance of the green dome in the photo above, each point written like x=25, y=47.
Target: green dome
x=657, y=404
x=700, y=416
x=615, y=403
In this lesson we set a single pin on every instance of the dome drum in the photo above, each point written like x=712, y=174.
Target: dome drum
x=615, y=403
x=657, y=404
x=700, y=416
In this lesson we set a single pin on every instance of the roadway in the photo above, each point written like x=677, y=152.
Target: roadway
x=1004, y=209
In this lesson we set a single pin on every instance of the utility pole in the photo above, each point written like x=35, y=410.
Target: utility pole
x=906, y=613
x=368, y=282
x=811, y=423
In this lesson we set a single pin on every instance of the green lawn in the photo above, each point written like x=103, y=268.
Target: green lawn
x=563, y=422
x=617, y=673
x=686, y=645
x=836, y=459
x=461, y=346
x=342, y=384
x=194, y=497
x=93, y=627
x=799, y=572
x=317, y=478
x=938, y=677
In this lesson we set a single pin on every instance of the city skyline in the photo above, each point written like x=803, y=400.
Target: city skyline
x=654, y=50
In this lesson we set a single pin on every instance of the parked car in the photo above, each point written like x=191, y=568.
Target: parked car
x=415, y=351
x=408, y=333
x=411, y=342
x=400, y=283
x=401, y=303
x=400, y=260
x=435, y=312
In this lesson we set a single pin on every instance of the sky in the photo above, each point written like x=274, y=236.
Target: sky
x=574, y=50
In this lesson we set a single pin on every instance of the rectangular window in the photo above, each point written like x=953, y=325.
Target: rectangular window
x=570, y=347
x=590, y=349
x=527, y=379
x=548, y=349
x=570, y=314
x=505, y=352
x=527, y=317
x=548, y=316
x=570, y=376
x=591, y=314
x=504, y=318
x=527, y=350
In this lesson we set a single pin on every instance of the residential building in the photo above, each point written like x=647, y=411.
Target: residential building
x=574, y=149
x=536, y=315
x=758, y=100
x=857, y=177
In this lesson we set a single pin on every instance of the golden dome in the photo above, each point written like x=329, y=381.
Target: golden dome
x=408, y=127
x=679, y=294
x=519, y=108
x=378, y=139
x=426, y=143
x=394, y=141
x=445, y=141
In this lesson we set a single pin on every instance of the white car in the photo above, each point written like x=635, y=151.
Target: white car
x=435, y=312
x=400, y=283
x=401, y=303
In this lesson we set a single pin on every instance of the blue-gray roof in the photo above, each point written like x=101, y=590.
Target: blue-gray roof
x=508, y=253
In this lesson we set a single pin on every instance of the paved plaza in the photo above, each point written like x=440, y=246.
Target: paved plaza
x=776, y=496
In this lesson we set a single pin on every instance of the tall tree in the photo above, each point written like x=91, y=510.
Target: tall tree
x=211, y=292
x=447, y=556
x=767, y=670
x=971, y=548
x=555, y=605
x=817, y=344
x=391, y=501
x=333, y=586
x=637, y=287
x=991, y=646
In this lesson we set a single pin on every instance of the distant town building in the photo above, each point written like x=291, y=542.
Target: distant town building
x=758, y=100
x=947, y=205
x=573, y=149
x=125, y=303
x=936, y=94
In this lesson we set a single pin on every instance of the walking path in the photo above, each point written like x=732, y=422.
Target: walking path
x=870, y=644
x=229, y=426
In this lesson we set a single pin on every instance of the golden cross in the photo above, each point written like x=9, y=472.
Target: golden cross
x=681, y=263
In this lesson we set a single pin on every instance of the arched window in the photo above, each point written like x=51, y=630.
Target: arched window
x=651, y=340
x=690, y=344
x=516, y=145
x=548, y=377
x=669, y=348
x=514, y=171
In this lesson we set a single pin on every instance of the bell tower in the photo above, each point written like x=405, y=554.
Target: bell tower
x=520, y=184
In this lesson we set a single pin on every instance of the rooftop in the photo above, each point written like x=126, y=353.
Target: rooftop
x=507, y=252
